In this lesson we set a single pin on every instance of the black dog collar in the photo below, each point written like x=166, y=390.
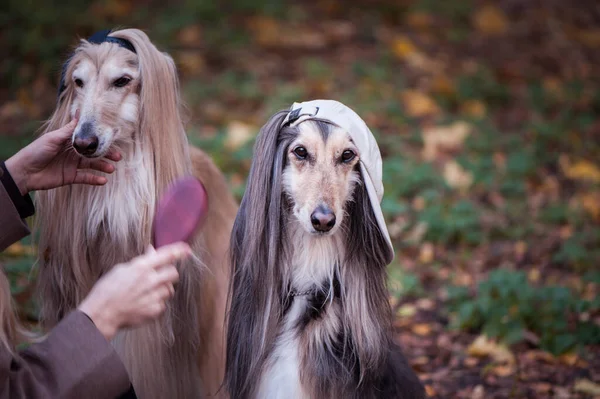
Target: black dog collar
x=97, y=38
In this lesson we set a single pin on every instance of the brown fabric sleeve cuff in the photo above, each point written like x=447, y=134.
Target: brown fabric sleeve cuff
x=23, y=203
x=90, y=368
x=13, y=228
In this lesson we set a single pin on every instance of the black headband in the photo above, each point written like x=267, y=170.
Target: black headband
x=97, y=38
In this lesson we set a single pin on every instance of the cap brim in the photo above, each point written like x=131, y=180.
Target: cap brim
x=389, y=257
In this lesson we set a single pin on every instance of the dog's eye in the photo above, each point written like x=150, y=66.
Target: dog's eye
x=300, y=152
x=79, y=82
x=348, y=156
x=121, y=82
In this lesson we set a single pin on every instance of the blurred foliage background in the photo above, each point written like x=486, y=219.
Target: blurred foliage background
x=486, y=112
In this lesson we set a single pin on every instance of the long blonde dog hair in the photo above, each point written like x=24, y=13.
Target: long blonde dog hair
x=11, y=330
x=84, y=230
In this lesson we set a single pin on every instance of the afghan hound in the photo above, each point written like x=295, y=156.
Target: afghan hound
x=127, y=93
x=309, y=315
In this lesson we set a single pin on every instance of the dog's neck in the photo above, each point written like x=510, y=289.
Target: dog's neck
x=313, y=260
x=125, y=203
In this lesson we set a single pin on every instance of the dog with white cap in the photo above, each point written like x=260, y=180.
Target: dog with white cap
x=309, y=315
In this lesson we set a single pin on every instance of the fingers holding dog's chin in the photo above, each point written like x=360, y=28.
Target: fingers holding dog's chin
x=97, y=165
x=89, y=179
x=114, y=155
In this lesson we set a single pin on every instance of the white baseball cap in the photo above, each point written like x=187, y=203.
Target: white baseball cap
x=370, y=158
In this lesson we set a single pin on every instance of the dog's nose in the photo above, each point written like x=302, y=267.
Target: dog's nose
x=86, y=145
x=323, y=219
x=86, y=142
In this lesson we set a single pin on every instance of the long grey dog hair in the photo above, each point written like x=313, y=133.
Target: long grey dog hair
x=362, y=360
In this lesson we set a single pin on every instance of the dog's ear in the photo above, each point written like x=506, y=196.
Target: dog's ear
x=263, y=177
x=363, y=230
x=255, y=248
x=161, y=126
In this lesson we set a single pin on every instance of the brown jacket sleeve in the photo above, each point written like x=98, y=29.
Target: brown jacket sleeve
x=12, y=227
x=74, y=361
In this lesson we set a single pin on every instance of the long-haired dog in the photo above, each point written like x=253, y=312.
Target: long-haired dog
x=309, y=312
x=127, y=93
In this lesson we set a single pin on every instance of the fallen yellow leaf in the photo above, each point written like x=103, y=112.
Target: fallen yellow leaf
x=539, y=355
x=482, y=347
x=419, y=361
x=490, y=20
x=534, y=275
x=553, y=86
x=236, y=180
x=478, y=392
x=456, y=176
x=268, y=32
x=403, y=47
x=586, y=386
x=570, y=359
x=191, y=35
x=418, y=203
x=520, y=248
x=419, y=20
x=590, y=38
x=444, y=138
x=542, y=387
x=238, y=134
x=591, y=203
x=416, y=234
x=17, y=250
x=425, y=304
x=442, y=85
x=503, y=370
x=419, y=104
x=190, y=62
x=114, y=8
x=471, y=361
x=463, y=279
x=499, y=159
x=580, y=170
x=426, y=253
x=421, y=329
x=406, y=310
x=265, y=30
x=473, y=108
x=566, y=232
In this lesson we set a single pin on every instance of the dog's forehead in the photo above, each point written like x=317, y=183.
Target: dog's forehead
x=338, y=138
x=335, y=140
x=119, y=64
x=113, y=63
x=84, y=68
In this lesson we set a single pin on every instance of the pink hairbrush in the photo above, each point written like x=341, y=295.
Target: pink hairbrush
x=180, y=212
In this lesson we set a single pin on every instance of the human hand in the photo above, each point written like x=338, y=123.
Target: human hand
x=134, y=293
x=51, y=162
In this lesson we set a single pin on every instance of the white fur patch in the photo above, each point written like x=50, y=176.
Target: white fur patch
x=84, y=71
x=281, y=380
x=113, y=70
x=130, y=108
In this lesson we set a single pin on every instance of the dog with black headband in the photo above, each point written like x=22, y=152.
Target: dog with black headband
x=309, y=312
x=127, y=94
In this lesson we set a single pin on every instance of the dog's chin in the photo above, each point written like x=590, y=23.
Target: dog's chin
x=318, y=234
x=315, y=233
x=100, y=152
